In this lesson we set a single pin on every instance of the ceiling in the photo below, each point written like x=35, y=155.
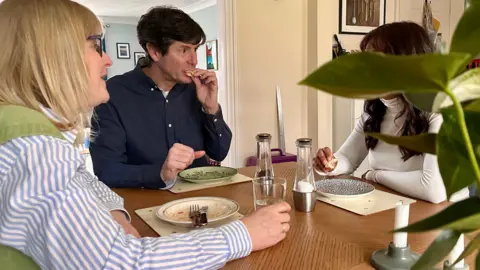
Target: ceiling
x=135, y=8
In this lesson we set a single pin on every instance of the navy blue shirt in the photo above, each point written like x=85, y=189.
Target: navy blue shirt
x=138, y=126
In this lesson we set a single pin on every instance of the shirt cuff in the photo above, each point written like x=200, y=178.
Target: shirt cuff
x=169, y=184
x=371, y=176
x=151, y=177
x=203, y=110
x=238, y=239
x=214, y=117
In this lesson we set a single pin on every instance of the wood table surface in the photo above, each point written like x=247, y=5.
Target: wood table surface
x=328, y=238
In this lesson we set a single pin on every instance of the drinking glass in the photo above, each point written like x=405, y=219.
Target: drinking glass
x=267, y=191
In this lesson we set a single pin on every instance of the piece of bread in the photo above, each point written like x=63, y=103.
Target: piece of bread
x=332, y=164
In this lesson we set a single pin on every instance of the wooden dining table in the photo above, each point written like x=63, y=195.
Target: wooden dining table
x=327, y=238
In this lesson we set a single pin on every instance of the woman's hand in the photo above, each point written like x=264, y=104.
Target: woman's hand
x=324, y=160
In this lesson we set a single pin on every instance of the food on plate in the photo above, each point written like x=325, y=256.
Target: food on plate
x=182, y=213
x=199, y=175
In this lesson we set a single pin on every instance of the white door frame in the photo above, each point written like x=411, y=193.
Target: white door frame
x=227, y=37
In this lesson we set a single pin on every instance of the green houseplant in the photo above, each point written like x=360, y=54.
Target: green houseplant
x=438, y=83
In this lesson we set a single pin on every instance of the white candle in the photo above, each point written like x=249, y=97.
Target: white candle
x=401, y=220
x=456, y=252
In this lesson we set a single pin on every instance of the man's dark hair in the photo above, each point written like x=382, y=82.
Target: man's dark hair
x=163, y=25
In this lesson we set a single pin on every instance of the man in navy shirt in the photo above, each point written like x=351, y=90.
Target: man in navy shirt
x=163, y=117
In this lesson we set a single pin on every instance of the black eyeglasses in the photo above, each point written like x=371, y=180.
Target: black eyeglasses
x=98, y=43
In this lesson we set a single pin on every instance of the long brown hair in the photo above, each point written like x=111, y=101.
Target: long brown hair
x=398, y=38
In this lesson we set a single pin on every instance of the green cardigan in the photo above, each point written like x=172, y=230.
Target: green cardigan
x=19, y=121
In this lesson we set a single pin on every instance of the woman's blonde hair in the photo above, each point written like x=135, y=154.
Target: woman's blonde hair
x=42, y=62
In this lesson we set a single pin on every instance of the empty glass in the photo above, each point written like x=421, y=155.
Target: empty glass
x=267, y=191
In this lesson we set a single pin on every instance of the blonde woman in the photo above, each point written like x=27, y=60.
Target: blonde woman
x=51, y=208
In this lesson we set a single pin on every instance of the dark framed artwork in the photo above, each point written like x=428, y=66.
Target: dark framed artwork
x=358, y=17
x=123, y=50
x=137, y=56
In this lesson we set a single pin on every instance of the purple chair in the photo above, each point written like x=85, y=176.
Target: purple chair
x=277, y=157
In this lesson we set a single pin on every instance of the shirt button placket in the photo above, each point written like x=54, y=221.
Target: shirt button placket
x=169, y=123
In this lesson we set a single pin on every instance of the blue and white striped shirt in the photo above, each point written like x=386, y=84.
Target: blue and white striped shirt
x=56, y=212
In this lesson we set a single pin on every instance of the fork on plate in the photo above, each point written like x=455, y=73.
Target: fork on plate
x=198, y=215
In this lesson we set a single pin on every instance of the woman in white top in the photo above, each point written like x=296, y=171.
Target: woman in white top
x=409, y=172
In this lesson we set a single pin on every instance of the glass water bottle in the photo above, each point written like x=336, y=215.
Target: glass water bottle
x=304, y=195
x=264, y=157
x=304, y=177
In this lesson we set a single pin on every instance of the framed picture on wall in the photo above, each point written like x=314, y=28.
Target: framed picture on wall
x=358, y=17
x=137, y=56
x=123, y=50
x=212, y=54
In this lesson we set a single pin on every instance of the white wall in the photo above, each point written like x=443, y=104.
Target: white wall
x=121, y=33
x=277, y=42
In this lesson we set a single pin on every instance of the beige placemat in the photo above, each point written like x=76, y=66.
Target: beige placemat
x=184, y=186
x=374, y=202
x=164, y=228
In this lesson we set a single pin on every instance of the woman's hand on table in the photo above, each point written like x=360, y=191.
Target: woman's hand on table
x=121, y=219
x=324, y=160
x=268, y=225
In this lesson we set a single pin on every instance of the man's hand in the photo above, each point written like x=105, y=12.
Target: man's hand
x=121, y=219
x=178, y=159
x=207, y=89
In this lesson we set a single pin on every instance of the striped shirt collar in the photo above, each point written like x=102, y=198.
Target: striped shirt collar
x=69, y=135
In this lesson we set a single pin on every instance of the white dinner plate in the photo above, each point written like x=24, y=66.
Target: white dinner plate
x=177, y=212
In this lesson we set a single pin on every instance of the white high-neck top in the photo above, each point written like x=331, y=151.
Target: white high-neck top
x=418, y=177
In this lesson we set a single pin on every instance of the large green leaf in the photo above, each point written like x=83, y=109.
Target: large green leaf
x=455, y=166
x=473, y=106
x=477, y=262
x=369, y=75
x=438, y=250
x=465, y=87
x=466, y=38
x=423, y=101
x=463, y=216
x=424, y=143
x=472, y=246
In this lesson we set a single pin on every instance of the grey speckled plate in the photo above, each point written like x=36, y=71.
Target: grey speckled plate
x=343, y=188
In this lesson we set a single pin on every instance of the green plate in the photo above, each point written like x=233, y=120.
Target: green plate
x=207, y=174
